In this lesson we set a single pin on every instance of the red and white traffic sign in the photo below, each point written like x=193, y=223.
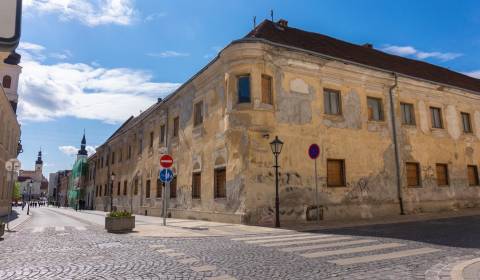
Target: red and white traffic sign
x=166, y=161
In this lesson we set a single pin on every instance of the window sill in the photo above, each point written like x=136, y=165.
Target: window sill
x=443, y=186
x=409, y=126
x=220, y=198
x=334, y=117
x=196, y=198
x=414, y=187
x=336, y=186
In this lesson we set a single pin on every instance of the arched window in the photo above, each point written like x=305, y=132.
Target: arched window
x=7, y=81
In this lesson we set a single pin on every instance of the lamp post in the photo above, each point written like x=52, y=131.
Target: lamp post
x=276, y=146
x=112, y=178
x=29, y=196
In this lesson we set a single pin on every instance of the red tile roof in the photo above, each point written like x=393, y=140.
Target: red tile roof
x=332, y=47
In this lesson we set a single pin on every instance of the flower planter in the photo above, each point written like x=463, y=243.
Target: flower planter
x=119, y=224
x=2, y=229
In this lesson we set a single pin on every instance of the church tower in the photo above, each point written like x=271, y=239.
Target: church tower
x=82, y=153
x=39, y=165
x=9, y=75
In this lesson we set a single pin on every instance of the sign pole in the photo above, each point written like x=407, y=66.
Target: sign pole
x=316, y=192
x=165, y=203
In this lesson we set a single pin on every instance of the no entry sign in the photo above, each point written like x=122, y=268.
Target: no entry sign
x=314, y=151
x=166, y=161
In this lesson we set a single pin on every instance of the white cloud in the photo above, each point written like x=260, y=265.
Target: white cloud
x=475, y=74
x=61, y=55
x=154, y=16
x=88, y=12
x=71, y=150
x=411, y=51
x=166, y=54
x=215, y=50
x=84, y=91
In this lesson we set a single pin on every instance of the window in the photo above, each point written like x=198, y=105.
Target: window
x=125, y=187
x=101, y=164
x=198, y=113
x=442, y=174
x=331, y=102
x=335, y=172
x=113, y=158
x=436, y=117
x=151, y=139
x=408, y=115
x=220, y=190
x=135, y=187
x=375, y=110
x=147, y=189
x=162, y=134
x=413, y=174
x=121, y=155
x=196, y=185
x=267, y=92
x=96, y=191
x=472, y=175
x=118, y=188
x=159, y=188
x=100, y=192
x=467, y=126
x=176, y=123
x=7, y=81
x=129, y=151
x=140, y=145
x=106, y=190
x=173, y=187
x=244, y=89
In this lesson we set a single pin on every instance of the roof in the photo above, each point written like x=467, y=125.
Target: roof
x=361, y=54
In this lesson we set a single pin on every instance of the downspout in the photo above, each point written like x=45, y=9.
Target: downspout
x=395, y=144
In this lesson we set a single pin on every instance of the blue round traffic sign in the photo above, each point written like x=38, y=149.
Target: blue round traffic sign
x=314, y=151
x=166, y=175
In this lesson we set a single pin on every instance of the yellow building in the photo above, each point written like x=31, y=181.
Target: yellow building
x=396, y=135
x=9, y=126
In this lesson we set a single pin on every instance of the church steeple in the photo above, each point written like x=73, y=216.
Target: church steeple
x=83, y=145
x=39, y=158
x=39, y=165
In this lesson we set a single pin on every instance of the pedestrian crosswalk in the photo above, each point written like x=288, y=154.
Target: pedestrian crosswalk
x=336, y=249
x=57, y=229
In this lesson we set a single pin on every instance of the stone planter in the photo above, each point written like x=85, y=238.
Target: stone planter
x=2, y=229
x=119, y=224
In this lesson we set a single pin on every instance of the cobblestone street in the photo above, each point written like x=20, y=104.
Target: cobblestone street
x=56, y=245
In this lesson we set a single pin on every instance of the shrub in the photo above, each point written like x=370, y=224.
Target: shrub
x=118, y=214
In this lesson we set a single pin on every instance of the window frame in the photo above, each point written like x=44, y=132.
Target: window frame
x=466, y=115
x=342, y=173
x=198, y=117
x=176, y=127
x=433, y=117
x=152, y=135
x=267, y=97
x=125, y=183
x=239, y=97
x=327, y=106
x=412, y=121
x=418, y=174
x=381, y=113
x=148, y=187
x=216, y=193
x=7, y=82
x=162, y=133
x=159, y=187
x=447, y=175
x=475, y=170
x=196, y=189
x=173, y=186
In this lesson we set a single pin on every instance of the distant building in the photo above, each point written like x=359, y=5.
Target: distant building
x=39, y=184
x=52, y=187
x=63, y=180
x=77, y=194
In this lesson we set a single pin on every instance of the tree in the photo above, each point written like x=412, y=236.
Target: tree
x=16, y=191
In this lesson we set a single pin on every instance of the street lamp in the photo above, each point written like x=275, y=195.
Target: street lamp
x=29, y=196
x=112, y=178
x=276, y=146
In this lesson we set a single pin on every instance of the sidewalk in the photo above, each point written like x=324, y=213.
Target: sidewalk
x=17, y=218
x=153, y=226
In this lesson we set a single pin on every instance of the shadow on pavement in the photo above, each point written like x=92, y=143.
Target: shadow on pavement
x=455, y=232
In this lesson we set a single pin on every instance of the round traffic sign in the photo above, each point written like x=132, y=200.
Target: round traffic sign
x=166, y=161
x=166, y=175
x=314, y=151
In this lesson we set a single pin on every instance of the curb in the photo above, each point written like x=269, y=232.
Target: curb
x=22, y=222
x=457, y=271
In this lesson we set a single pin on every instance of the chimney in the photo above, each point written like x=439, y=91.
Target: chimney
x=368, y=45
x=282, y=23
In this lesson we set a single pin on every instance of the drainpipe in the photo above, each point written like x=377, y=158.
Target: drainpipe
x=395, y=144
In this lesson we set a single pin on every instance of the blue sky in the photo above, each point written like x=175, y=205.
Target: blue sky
x=89, y=64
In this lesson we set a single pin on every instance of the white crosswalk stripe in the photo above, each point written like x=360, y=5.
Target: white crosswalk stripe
x=387, y=256
x=80, y=228
x=38, y=229
x=288, y=239
x=327, y=245
x=59, y=228
x=308, y=241
x=330, y=247
x=352, y=250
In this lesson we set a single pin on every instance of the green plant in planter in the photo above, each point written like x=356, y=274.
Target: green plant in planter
x=119, y=214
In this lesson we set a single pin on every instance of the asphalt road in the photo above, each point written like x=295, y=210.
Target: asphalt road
x=57, y=245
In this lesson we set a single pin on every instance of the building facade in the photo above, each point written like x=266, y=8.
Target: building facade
x=380, y=121
x=33, y=185
x=9, y=126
